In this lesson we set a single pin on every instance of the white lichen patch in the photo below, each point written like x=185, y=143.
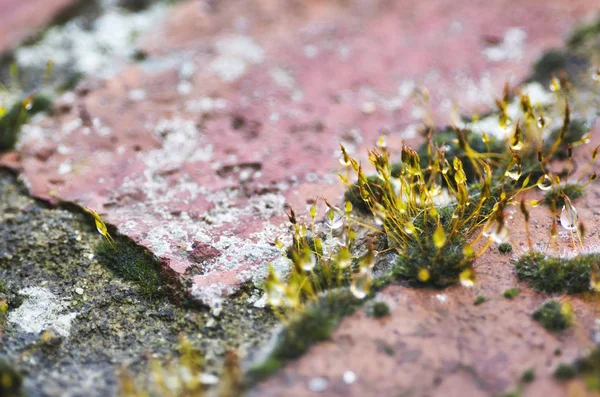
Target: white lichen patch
x=40, y=310
x=235, y=53
x=181, y=142
x=511, y=48
x=95, y=50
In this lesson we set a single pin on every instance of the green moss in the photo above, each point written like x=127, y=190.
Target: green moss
x=554, y=275
x=443, y=266
x=576, y=129
x=549, y=65
x=511, y=293
x=380, y=309
x=565, y=371
x=584, y=33
x=505, y=248
x=132, y=263
x=479, y=300
x=572, y=190
x=17, y=115
x=447, y=138
x=554, y=316
x=353, y=194
x=314, y=324
x=528, y=376
x=3, y=289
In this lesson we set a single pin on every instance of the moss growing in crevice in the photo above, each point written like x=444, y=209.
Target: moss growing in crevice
x=313, y=324
x=555, y=275
x=479, y=300
x=554, y=316
x=132, y=263
x=572, y=190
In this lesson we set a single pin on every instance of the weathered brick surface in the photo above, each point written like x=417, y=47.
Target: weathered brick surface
x=240, y=108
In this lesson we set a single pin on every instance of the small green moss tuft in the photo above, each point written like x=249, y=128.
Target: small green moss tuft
x=572, y=190
x=375, y=190
x=12, y=121
x=380, y=309
x=565, y=371
x=479, y=300
x=132, y=263
x=511, y=293
x=550, y=64
x=528, y=376
x=553, y=275
x=314, y=324
x=505, y=248
x=554, y=316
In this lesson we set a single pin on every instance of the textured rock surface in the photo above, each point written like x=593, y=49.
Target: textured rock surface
x=240, y=107
x=22, y=19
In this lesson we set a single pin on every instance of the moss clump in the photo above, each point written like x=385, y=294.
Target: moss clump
x=375, y=190
x=314, y=324
x=132, y=263
x=12, y=121
x=549, y=65
x=572, y=190
x=380, y=309
x=565, y=371
x=554, y=275
x=427, y=266
x=528, y=376
x=479, y=300
x=505, y=248
x=554, y=316
x=511, y=293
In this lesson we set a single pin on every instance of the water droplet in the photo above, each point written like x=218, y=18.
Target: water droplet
x=344, y=259
x=275, y=294
x=344, y=160
x=333, y=219
x=349, y=377
x=514, y=172
x=361, y=285
x=308, y=260
x=568, y=216
x=545, y=182
x=496, y=231
x=541, y=122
